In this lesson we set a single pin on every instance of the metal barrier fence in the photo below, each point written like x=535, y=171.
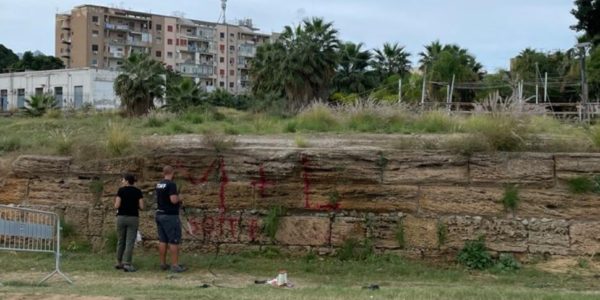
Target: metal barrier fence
x=30, y=230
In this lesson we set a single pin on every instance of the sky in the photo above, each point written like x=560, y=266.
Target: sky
x=492, y=30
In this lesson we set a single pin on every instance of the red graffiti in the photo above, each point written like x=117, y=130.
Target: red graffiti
x=262, y=182
x=253, y=229
x=224, y=180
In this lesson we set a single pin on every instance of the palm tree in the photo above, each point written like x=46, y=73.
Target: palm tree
x=141, y=81
x=300, y=64
x=352, y=74
x=37, y=105
x=430, y=54
x=391, y=59
x=182, y=95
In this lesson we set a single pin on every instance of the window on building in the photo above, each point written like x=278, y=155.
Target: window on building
x=170, y=54
x=95, y=48
x=169, y=28
x=231, y=72
x=222, y=48
x=183, y=42
x=222, y=59
x=158, y=27
x=232, y=35
x=231, y=48
x=222, y=34
x=58, y=95
x=222, y=72
x=95, y=19
x=39, y=91
x=158, y=54
x=221, y=84
x=95, y=33
x=231, y=84
x=232, y=61
x=94, y=62
x=169, y=41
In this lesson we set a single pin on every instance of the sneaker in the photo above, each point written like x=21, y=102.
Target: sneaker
x=178, y=269
x=129, y=268
x=164, y=267
x=119, y=266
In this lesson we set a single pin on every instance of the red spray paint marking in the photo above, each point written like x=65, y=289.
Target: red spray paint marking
x=224, y=181
x=261, y=182
x=253, y=229
x=304, y=160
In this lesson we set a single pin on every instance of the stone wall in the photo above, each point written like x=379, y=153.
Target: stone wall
x=332, y=193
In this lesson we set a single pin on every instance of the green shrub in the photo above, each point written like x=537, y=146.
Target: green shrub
x=583, y=263
x=271, y=221
x=63, y=140
x=503, y=133
x=434, y=122
x=366, y=121
x=352, y=249
x=11, y=143
x=301, y=142
x=178, y=128
x=67, y=229
x=118, y=139
x=468, y=144
x=155, y=122
x=291, y=126
x=96, y=188
x=510, y=200
x=319, y=118
x=474, y=255
x=37, y=105
x=193, y=117
x=584, y=184
x=507, y=262
x=399, y=235
x=110, y=241
x=442, y=233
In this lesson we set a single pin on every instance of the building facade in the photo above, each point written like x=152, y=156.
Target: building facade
x=72, y=88
x=216, y=55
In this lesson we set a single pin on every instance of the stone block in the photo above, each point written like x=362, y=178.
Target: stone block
x=558, y=204
x=585, y=238
x=425, y=168
x=382, y=229
x=303, y=231
x=13, y=190
x=505, y=235
x=522, y=168
x=30, y=166
x=420, y=232
x=344, y=228
x=453, y=200
x=576, y=164
x=548, y=236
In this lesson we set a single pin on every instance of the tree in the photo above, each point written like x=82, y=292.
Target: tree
x=142, y=80
x=29, y=61
x=301, y=64
x=352, y=75
x=391, y=59
x=37, y=105
x=7, y=58
x=430, y=54
x=183, y=94
x=587, y=13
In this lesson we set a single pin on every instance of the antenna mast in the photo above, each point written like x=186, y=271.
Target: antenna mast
x=223, y=9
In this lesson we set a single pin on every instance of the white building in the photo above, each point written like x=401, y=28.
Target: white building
x=72, y=88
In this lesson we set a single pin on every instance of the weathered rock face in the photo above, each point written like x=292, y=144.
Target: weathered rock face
x=403, y=201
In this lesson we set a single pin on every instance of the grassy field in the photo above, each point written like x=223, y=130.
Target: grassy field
x=232, y=277
x=87, y=135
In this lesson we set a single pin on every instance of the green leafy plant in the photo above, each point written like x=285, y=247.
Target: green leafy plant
x=78, y=246
x=399, y=235
x=583, y=263
x=507, y=262
x=381, y=163
x=96, y=188
x=511, y=199
x=271, y=221
x=584, y=184
x=474, y=255
x=442, y=233
x=67, y=229
x=110, y=241
x=353, y=249
x=36, y=106
x=333, y=197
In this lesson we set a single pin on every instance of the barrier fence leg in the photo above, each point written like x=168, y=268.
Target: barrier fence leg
x=57, y=259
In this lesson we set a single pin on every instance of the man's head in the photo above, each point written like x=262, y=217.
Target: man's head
x=168, y=172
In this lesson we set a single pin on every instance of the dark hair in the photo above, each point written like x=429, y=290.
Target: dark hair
x=130, y=178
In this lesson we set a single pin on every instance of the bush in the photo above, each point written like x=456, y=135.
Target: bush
x=37, y=105
x=510, y=200
x=218, y=142
x=584, y=184
x=118, y=139
x=434, y=122
x=366, y=121
x=301, y=142
x=468, y=144
x=399, y=234
x=271, y=221
x=67, y=229
x=318, y=117
x=352, y=249
x=474, y=255
x=507, y=262
x=503, y=133
x=11, y=143
x=178, y=128
x=153, y=121
x=63, y=140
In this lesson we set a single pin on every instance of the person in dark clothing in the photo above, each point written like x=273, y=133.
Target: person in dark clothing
x=167, y=220
x=128, y=202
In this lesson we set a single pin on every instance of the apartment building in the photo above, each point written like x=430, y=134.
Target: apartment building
x=216, y=55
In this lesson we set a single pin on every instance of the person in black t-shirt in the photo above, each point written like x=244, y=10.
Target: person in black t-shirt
x=167, y=220
x=128, y=202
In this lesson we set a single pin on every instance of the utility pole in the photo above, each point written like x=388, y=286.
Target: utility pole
x=584, y=87
x=546, y=87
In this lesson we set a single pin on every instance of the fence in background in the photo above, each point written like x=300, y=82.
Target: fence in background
x=30, y=230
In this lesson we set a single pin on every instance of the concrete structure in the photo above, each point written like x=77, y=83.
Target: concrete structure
x=214, y=54
x=72, y=87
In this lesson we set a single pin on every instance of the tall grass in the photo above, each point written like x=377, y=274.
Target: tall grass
x=435, y=122
x=502, y=132
x=118, y=139
x=318, y=117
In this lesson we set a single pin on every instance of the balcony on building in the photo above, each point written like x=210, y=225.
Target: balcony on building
x=119, y=27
